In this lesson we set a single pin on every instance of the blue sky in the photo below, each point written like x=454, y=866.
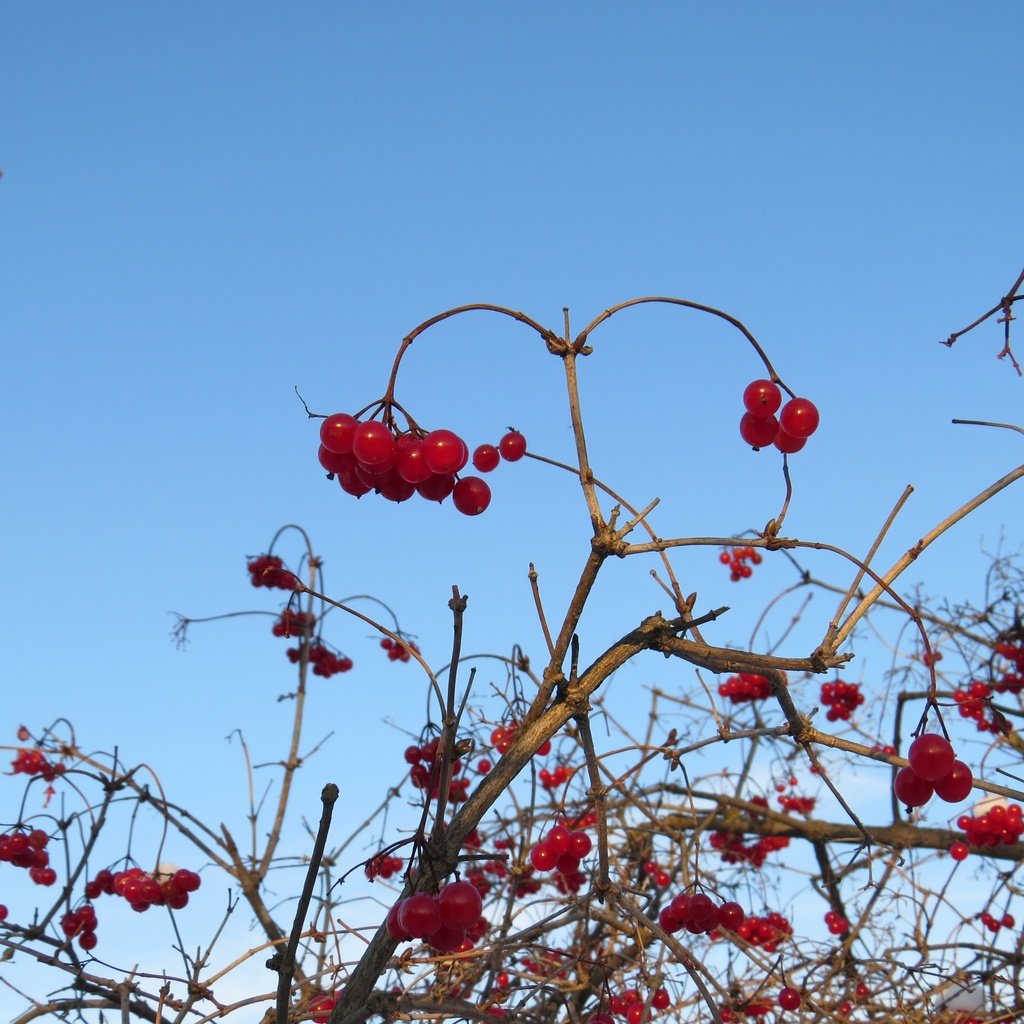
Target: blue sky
x=204, y=205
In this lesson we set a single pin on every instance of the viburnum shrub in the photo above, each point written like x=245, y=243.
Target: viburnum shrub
x=536, y=854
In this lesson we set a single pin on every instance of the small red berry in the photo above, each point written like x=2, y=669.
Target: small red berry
x=486, y=458
x=512, y=446
x=959, y=851
x=789, y=998
x=799, y=418
x=373, y=445
x=762, y=397
x=758, y=431
x=471, y=496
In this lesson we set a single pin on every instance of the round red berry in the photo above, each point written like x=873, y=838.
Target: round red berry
x=373, y=445
x=789, y=998
x=512, y=446
x=486, y=458
x=799, y=417
x=337, y=432
x=931, y=756
x=762, y=397
x=758, y=431
x=471, y=496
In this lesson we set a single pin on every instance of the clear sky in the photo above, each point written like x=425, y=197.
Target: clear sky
x=204, y=205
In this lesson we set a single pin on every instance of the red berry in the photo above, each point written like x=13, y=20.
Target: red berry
x=762, y=397
x=337, y=432
x=799, y=417
x=787, y=443
x=410, y=462
x=486, y=458
x=956, y=784
x=436, y=488
x=730, y=916
x=959, y=851
x=660, y=1000
x=542, y=857
x=444, y=452
x=758, y=431
x=460, y=904
x=931, y=756
x=373, y=445
x=471, y=496
x=512, y=446
x=419, y=915
x=789, y=998
x=911, y=790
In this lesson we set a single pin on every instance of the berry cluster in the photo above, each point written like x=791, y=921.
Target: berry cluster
x=797, y=804
x=745, y=687
x=269, y=571
x=630, y=1005
x=767, y=932
x=293, y=624
x=759, y=427
x=423, y=776
x=324, y=661
x=553, y=779
x=841, y=698
x=28, y=850
x=997, y=825
x=658, y=875
x=368, y=456
x=700, y=915
x=81, y=924
x=736, y=559
x=735, y=851
x=167, y=886
x=503, y=735
x=35, y=762
x=993, y=924
x=836, y=923
x=973, y=703
x=399, y=651
x=449, y=921
x=933, y=769
x=562, y=850
x=383, y=866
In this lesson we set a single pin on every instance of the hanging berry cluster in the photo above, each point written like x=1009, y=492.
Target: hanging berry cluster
x=398, y=652
x=269, y=571
x=35, y=762
x=81, y=924
x=325, y=662
x=561, y=850
x=383, y=866
x=369, y=456
x=933, y=770
x=737, y=559
x=700, y=915
x=450, y=921
x=995, y=826
x=167, y=886
x=735, y=851
x=759, y=426
x=841, y=699
x=28, y=850
x=767, y=932
x=745, y=687
x=974, y=702
x=422, y=773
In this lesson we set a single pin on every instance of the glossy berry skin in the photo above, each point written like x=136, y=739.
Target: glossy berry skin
x=799, y=417
x=444, y=451
x=789, y=998
x=337, y=431
x=471, y=496
x=373, y=445
x=787, y=444
x=762, y=398
x=419, y=915
x=512, y=446
x=409, y=460
x=959, y=851
x=730, y=916
x=460, y=904
x=758, y=431
x=437, y=487
x=931, y=756
x=486, y=458
x=956, y=785
x=910, y=789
